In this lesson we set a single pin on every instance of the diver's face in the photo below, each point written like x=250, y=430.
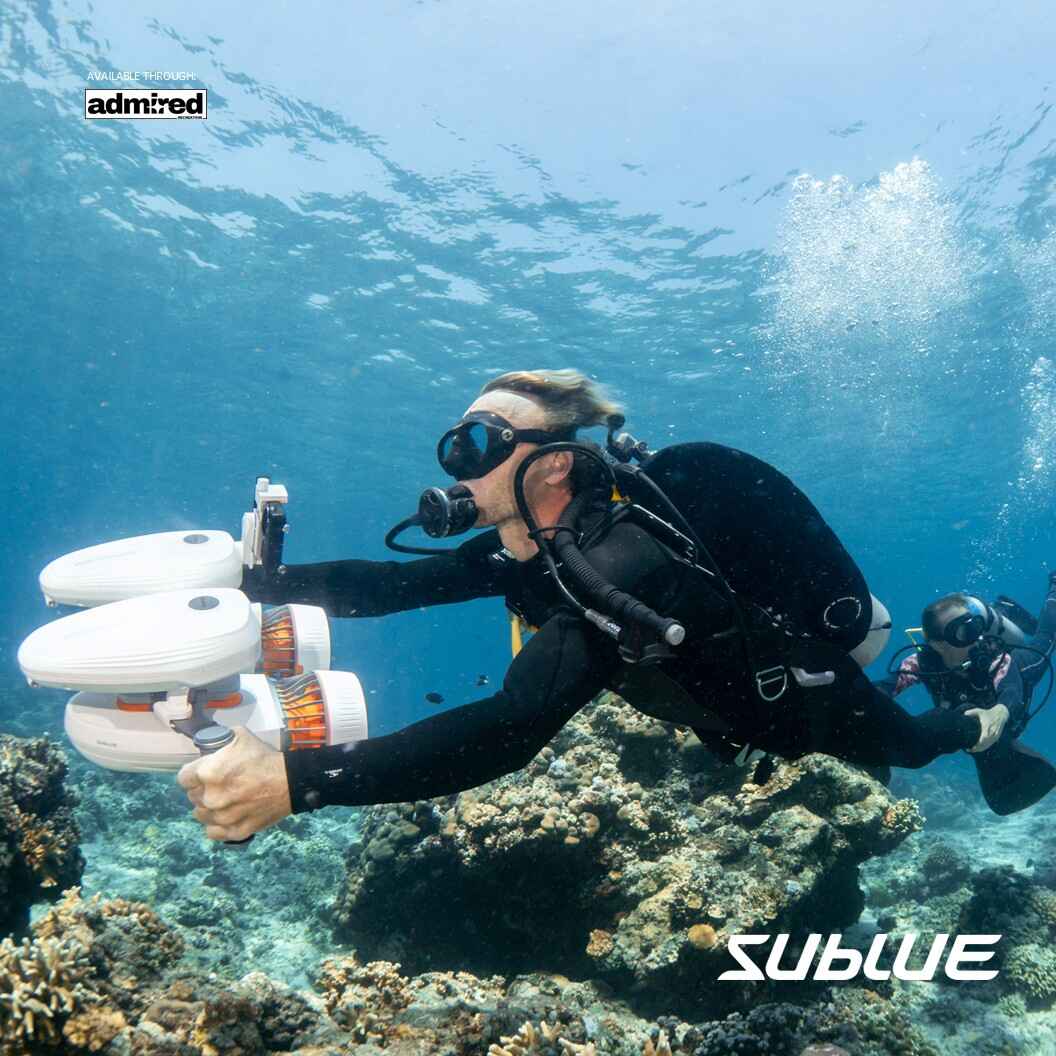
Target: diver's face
x=493, y=493
x=952, y=655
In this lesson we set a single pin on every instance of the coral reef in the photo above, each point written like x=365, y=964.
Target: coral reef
x=364, y=998
x=1005, y=902
x=41, y=983
x=39, y=842
x=921, y=888
x=110, y=976
x=1012, y=1005
x=621, y=856
x=944, y=869
x=854, y=1021
x=127, y=944
x=1031, y=970
x=372, y=1008
x=621, y=851
x=266, y=904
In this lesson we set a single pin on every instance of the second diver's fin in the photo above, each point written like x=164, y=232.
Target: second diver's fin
x=1012, y=776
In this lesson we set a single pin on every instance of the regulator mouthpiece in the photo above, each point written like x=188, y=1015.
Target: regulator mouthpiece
x=447, y=511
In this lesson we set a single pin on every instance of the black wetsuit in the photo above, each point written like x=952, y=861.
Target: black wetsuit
x=568, y=661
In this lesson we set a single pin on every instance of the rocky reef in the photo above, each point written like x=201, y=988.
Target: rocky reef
x=581, y=907
x=622, y=852
x=959, y=878
x=265, y=904
x=110, y=977
x=39, y=841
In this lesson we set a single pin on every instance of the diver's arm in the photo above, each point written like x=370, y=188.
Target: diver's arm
x=1011, y=692
x=560, y=670
x=375, y=588
x=867, y=727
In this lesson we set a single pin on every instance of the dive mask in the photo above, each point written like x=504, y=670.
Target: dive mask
x=482, y=441
x=970, y=626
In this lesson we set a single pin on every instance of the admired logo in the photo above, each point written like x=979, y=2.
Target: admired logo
x=836, y=963
x=102, y=104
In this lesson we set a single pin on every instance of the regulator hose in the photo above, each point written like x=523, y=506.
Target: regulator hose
x=608, y=599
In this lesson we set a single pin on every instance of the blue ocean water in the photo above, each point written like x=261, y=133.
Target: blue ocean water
x=823, y=236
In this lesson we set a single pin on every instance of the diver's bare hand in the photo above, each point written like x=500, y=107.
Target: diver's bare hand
x=991, y=722
x=239, y=790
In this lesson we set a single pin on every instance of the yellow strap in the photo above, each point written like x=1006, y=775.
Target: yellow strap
x=518, y=628
x=910, y=631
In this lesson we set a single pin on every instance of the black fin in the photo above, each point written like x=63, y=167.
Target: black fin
x=1012, y=776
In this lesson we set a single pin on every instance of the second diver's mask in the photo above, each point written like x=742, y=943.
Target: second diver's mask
x=966, y=629
x=482, y=441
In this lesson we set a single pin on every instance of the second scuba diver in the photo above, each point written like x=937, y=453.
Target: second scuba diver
x=717, y=598
x=990, y=659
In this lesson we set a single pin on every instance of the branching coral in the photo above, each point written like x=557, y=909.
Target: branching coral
x=526, y=1040
x=41, y=846
x=41, y=983
x=529, y=1040
x=1012, y=1005
x=126, y=941
x=903, y=818
x=1031, y=969
x=364, y=998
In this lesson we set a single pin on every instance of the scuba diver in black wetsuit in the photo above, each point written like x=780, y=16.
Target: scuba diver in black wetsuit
x=987, y=660
x=712, y=595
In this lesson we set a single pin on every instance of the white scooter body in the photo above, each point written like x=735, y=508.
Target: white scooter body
x=135, y=741
x=163, y=561
x=143, y=564
x=168, y=648
x=161, y=642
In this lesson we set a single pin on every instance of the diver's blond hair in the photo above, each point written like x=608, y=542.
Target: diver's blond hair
x=567, y=397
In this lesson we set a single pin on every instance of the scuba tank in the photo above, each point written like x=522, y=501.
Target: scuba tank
x=1017, y=626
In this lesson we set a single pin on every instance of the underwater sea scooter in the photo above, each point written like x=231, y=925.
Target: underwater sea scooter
x=161, y=561
x=160, y=678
